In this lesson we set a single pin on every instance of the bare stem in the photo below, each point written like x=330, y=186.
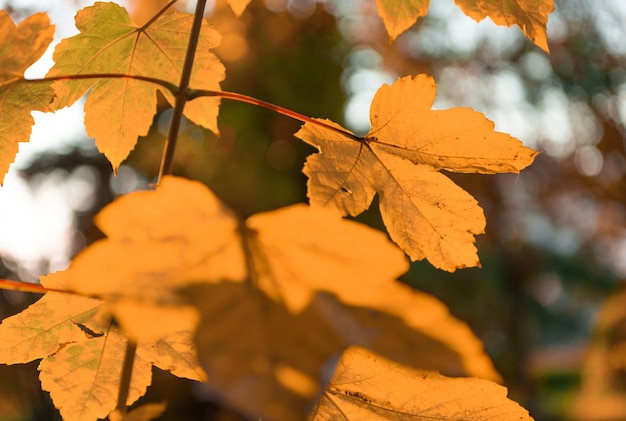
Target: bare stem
x=127, y=372
x=10, y=285
x=158, y=14
x=163, y=83
x=197, y=93
x=181, y=97
x=245, y=234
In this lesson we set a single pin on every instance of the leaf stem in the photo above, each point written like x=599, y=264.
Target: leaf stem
x=163, y=83
x=191, y=94
x=197, y=93
x=127, y=371
x=245, y=233
x=10, y=285
x=181, y=96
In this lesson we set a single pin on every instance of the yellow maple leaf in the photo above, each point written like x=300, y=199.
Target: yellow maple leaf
x=117, y=111
x=277, y=356
x=22, y=45
x=424, y=211
x=83, y=378
x=82, y=352
x=530, y=15
x=181, y=234
x=360, y=389
x=298, y=250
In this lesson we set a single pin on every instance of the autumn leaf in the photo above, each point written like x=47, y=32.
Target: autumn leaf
x=117, y=111
x=530, y=15
x=42, y=328
x=82, y=352
x=83, y=378
x=424, y=211
x=158, y=241
x=22, y=45
x=298, y=250
x=360, y=389
x=180, y=234
x=400, y=15
x=279, y=357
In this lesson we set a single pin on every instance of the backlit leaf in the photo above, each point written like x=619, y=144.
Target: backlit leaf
x=83, y=378
x=46, y=325
x=22, y=45
x=82, y=352
x=298, y=250
x=530, y=15
x=424, y=211
x=181, y=234
x=158, y=241
x=271, y=367
x=360, y=390
x=117, y=111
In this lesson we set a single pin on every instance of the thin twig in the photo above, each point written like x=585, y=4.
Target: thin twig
x=165, y=84
x=127, y=372
x=158, y=14
x=245, y=234
x=166, y=166
x=197, y=93
x=190, y=94
x=10, y=285
x=181, y=98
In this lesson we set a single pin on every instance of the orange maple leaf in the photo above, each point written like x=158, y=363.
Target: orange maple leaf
x=530, y=15
x=82, y=351
x=267, y=354
x=182, y=234
x=360, y=389
x=424, y=211
x=117, y=111
x=22, y=46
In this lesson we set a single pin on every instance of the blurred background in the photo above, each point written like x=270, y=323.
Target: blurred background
x=555, y=248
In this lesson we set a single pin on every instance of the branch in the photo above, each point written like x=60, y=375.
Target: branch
x=10, y=285
x=184, y=95
x=158, y=14
x=127, y=371
x=197, y=93
x=181, y=97
x=163, y=83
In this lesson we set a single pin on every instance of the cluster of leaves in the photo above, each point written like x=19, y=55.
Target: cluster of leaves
x=257, y=307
